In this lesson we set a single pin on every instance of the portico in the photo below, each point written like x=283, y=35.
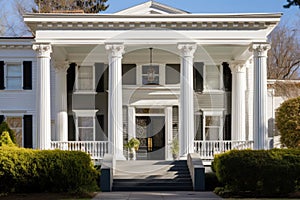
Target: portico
x=195, y=80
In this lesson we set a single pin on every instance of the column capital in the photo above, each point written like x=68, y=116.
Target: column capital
x=61, y=66
x=187, y=49
x=115, y=49
x=260, y=49
x=237, y=66
x=43, y=50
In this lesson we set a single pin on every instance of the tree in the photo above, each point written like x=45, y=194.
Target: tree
x=11, y=18
x=284, y=55
x=87, y=6
x=5, y=128
x=288, y=122
x=292, y=3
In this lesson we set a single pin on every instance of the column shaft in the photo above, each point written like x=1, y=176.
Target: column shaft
x=260, y=96
x=238, y=102
x=186, y=138
x=61, y=101
x=43, y=95
x=115, y=110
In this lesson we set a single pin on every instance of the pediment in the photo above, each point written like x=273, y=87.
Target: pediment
x=150, y=7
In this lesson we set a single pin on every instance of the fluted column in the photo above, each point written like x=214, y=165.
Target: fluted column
x=238, y=122
x=43, y=95
x=61, y=100
x=186, y=138
x=260, y=123
x=115, y=116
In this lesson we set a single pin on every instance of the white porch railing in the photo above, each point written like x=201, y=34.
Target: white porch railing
x=207, y=149
x=96, y=149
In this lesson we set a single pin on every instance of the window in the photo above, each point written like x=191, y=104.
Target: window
x=85, y=78
x=15, y=123
x=209, y=125
x=85, y=125
x=13, y=76
x=150, y=75
x=213, y=77
x=86, y=128
x=172, y=73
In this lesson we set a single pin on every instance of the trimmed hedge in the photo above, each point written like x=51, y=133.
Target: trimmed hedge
x=27, y=170
x=259, y=173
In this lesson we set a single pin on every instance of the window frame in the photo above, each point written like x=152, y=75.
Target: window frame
x=6, y=65
x=213, y=113
x=85, y=113
x=220, y=75
x=88, y=91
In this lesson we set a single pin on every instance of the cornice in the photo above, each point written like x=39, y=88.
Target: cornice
x=169, y=21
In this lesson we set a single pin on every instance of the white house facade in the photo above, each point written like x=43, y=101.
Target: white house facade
x=92, y=81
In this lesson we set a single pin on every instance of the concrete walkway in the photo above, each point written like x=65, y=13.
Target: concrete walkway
x=157, y=196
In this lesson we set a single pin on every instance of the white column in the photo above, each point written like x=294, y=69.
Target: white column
x=249, y=97
x=186, y=138
x=131, y=123
x=115, y=117
x=43, y=95
x=238, y=114
x=169, y=131
x=61, y=101
x=260, y=122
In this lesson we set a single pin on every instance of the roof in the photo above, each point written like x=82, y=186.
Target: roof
x=151, y=7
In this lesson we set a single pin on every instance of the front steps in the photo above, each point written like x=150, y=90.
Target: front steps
x=152, y=176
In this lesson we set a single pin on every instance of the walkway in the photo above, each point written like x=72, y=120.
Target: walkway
x=157, y=196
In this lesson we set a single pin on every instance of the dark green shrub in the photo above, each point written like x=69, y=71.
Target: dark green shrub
x=288, y=122
x=27, y=170
x=262, y=173
x=5, y=140
x=211, y=181
x=4, y=127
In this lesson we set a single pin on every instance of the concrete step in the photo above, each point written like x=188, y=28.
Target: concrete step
x=152, y=176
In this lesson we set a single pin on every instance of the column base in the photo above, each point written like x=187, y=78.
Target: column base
x=120, y=157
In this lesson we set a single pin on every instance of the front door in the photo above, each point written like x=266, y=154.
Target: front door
x=150, y=130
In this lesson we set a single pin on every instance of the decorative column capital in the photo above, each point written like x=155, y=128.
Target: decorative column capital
x=115, y=50
x=237, y=67
x=61, y=66
x=260, y=49
x=43, y=50
x=187, y=49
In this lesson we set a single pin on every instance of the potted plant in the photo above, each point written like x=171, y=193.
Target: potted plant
x=133, y=145
x=175, y=149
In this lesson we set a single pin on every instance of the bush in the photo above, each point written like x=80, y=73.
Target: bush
x=4, y=127
x=260, y=173
x=27, y=170
x=211, y=181
x=5, y=140
x=288, y=122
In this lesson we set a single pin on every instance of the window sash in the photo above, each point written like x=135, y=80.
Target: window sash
x=213, y=75
x=85, y=78
x=16, y=124
x=85, y=128
x=13, y=76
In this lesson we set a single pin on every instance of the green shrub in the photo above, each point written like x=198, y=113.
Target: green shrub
x=27, y=170
x=5, y=140
x=4, y=127
x=262, y=173
x=211, y=182
x=288, y=123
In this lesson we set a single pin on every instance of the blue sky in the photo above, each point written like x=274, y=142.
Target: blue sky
x=216, y=6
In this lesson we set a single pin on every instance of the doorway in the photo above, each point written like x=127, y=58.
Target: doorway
x=150, y=130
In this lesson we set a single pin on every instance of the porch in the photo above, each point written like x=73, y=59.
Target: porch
x=206, y=149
